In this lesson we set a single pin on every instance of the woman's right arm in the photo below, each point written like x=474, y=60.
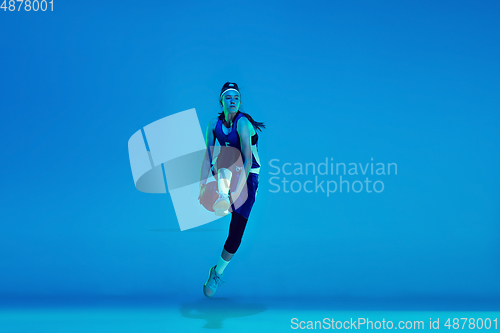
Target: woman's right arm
x=207, y=162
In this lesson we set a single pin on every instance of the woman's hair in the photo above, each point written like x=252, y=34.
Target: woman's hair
x=234, y=86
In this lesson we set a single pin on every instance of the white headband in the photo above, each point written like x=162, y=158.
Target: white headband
x=228, y=90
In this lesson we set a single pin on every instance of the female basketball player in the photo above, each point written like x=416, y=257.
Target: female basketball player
x=236, y=129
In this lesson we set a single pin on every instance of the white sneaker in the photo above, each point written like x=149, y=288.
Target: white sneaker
x=214, y=280
x=221, y=206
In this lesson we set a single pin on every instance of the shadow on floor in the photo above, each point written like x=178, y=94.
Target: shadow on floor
x=215, y=310
x=190, y=230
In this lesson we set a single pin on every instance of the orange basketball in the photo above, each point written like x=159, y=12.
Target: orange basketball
x=209, y=194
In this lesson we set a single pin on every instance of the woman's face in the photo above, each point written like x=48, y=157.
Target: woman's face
x=231, y=101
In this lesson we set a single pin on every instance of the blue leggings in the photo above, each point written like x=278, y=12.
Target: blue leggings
x=236, y=229
x=228, y=159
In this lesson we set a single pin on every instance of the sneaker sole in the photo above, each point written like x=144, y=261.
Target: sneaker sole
x=221, y=205
x=219, y=212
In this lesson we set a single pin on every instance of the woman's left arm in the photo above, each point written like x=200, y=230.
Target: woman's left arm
x=244, y=128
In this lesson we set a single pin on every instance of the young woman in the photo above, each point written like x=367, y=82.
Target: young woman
x=236, y=129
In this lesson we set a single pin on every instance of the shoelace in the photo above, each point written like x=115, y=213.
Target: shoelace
x=224, y=197
x=218, y=280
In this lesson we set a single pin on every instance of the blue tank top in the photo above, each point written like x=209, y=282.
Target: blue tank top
x=233, y=140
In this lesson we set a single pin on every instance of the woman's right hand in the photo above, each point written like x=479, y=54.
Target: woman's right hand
x=202, y=185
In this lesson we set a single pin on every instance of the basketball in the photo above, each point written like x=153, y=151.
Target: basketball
x=209, y=195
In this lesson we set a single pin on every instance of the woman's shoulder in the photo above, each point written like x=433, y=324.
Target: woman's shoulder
x=213, y=122
x=244, y=122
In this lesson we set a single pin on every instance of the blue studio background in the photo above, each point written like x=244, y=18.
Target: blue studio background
x=411, y=83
